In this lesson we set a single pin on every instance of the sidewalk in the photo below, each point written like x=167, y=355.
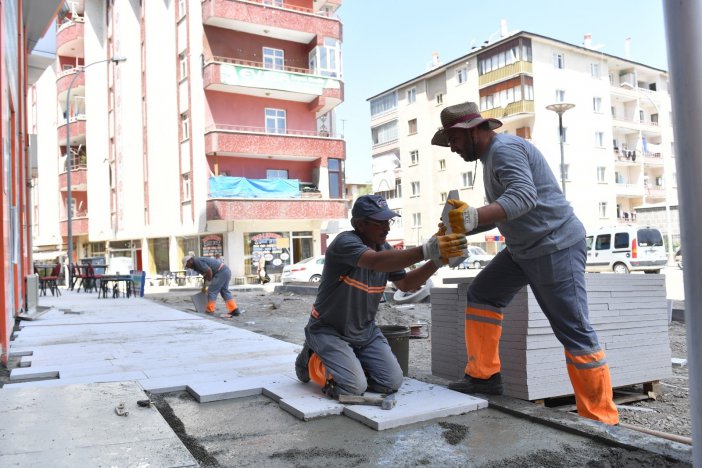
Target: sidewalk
x=93, y=354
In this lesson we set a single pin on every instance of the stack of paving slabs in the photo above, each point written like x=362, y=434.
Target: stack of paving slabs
x=628, y=312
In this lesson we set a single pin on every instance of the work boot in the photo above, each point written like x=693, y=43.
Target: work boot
x=234, y=313
x=491, y=386
x=301, y=364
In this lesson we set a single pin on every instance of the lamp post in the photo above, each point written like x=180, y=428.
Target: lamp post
x=560, y=109
x=69, y=201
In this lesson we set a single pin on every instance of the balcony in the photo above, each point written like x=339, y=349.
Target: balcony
x=289, y=22
x=512, y=109
x=653, y=159
x=656, y=191
x=628, y=190
x=69, y=38
x=79, y=224
x=79, y=178
x=260, y=209
x=508, y=71
x=232, y=140
x=290, y=84
x=78, y=130
x=63, y=81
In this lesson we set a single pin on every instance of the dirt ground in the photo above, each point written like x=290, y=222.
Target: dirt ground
x=284, y=315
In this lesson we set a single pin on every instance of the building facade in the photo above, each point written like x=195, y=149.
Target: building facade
x=618, y=144
x=202, y=127
x=22, y=26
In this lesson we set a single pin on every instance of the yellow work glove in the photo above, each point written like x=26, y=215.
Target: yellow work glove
x=439, y=249
x=442, y=230
x=462, y=218
x=204, y=288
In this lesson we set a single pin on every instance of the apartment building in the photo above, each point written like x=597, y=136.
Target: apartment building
x=22, y=28
x=618, y=144
x=192, y=126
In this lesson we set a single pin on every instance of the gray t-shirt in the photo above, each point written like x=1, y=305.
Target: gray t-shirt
x=348, y=296
x=540, y=220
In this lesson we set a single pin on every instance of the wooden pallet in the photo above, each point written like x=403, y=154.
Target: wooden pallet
x=649, y=391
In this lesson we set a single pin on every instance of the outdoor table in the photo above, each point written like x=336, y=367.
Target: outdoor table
x=115, y=284
x=179, y=276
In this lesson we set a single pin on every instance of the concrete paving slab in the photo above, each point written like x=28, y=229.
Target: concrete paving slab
x=416, y=402
x=239, y=387
x=77, y=426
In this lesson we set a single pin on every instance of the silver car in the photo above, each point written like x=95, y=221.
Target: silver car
x=477, y=258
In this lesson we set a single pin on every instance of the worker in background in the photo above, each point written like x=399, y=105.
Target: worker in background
x=345, y=351
x=216, y=276
x=545, y=250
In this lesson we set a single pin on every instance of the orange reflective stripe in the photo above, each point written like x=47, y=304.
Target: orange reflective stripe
x=362, y=286
x=483, y=313
x=586, y=361
x=318, y=373
x=314, y=313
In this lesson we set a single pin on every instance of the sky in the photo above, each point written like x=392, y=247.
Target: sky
x=388, y=42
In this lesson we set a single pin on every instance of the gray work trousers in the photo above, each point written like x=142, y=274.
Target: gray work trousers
x=558, y=283
x=220, y=284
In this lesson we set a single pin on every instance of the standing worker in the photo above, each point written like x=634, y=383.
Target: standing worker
x=345, y=352
x=545, y=250
x=217, y=274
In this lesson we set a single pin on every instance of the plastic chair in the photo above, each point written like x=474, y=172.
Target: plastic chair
x=51, y=281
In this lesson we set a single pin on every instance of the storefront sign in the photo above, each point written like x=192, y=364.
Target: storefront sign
x=212, y=246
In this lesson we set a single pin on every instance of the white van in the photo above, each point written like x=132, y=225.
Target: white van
x=626, y=248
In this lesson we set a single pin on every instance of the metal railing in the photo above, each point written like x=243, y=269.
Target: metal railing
x=262, y=130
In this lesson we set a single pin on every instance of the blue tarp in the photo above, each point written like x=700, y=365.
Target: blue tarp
x=241, y=187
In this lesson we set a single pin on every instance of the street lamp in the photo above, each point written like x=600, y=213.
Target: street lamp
x=560, y=109
x=69, y=201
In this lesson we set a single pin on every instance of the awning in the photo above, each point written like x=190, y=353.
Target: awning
x=48, y=255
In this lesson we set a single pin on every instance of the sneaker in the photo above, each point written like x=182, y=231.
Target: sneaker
x=301, y=363
x=491, y=386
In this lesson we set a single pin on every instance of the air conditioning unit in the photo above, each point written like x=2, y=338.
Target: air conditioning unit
x=32, y=299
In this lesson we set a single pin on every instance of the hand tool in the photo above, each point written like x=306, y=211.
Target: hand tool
x=385, y=402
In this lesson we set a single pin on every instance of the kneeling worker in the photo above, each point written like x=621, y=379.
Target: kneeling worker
x=218, y=275
x=345, y=351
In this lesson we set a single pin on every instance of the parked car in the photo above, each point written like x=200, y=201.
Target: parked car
x=622, y=249
x=308, y=270
x=477, y=258
x=678, y=259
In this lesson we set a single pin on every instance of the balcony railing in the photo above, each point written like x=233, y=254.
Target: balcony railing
x=251, y=63
x=517, y=107
x=287, y=6
x=286, y=132
x=505, y=72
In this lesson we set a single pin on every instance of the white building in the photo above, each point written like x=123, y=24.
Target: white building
x=618, y=140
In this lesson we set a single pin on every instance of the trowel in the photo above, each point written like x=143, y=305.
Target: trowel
x=200, y=302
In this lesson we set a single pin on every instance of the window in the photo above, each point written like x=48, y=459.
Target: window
x=416, y=220
x=276, y=173
x=185, y=126
x=461, y=76
x=602, y=242
x=439, y=99
x=599, y=139
x=412, y=126
x=335, y=178
x=641, y=116
x=411, y=95
x=383, y=104
x=601, y=174
x=185, y=184
x=597, y=104
x=602, y=208
x=183, y=60
x=560, y=95
x=414, y=157
x=278, y=3
x=273, y=58
x=392, y=194
x=442, y=164
x=467, y=179
x=384, y=133
x=275, y=121
x=415, y=189
x=559, y=61
x=324, y=59
x=504, y=97
x=595, y=70
x=181, y=8
x=444, y=197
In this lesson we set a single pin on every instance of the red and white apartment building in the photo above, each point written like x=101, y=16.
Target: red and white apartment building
x=192, y=126
x=22, y=26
